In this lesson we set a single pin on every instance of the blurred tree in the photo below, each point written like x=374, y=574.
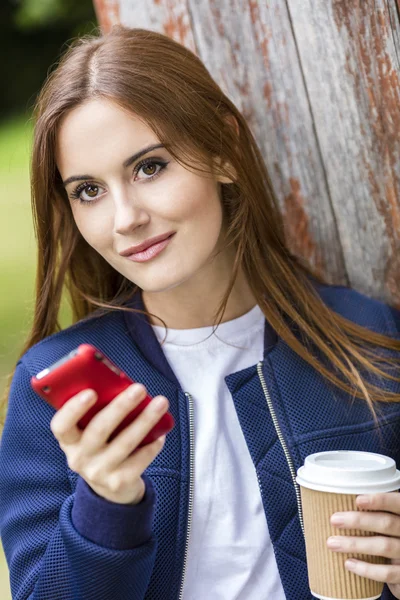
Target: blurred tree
x=31, y=14
x=32, y=35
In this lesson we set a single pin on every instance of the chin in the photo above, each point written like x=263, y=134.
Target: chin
x=164, y=283
x=163, y=278
x=157, y=289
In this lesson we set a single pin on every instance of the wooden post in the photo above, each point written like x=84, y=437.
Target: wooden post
x=318, y=82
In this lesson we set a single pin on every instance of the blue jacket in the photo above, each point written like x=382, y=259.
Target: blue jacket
x=64, y=542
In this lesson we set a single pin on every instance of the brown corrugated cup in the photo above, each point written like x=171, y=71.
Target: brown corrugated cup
x=330, y=482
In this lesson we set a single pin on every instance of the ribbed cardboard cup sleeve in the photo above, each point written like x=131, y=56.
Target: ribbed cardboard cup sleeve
x=328, y=577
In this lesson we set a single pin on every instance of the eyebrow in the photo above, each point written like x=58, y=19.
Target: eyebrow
x=126, y=163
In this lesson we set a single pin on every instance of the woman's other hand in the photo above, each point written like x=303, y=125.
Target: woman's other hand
x=384, y=520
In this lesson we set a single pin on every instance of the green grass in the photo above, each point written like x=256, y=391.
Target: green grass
x=17, y=242
x=17, y=259
x=17, y=248
x=15, y=143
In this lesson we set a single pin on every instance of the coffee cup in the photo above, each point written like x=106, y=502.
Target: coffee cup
x=330, y=482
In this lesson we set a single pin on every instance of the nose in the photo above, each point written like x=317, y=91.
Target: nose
x=129, y=214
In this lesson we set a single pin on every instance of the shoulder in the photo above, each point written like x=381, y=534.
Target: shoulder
x=360, y=309
x=106, y=332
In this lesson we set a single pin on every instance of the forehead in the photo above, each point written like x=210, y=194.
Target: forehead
x=97, y=132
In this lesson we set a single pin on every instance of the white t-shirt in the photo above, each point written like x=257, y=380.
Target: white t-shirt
x=230, y=555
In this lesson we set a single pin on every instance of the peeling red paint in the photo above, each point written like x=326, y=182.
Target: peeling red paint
x=176, y=27
x=297, y=231
x=176, y=24
x=267, y=92
x=377, y=88
x=282, y=113
x=393, y=203
x=264, y=51
x=261, y=37
x=217, y=17
x=254, y=11
x=241, y=84
x=392, y=278
x=279, y=110
x=107, y=13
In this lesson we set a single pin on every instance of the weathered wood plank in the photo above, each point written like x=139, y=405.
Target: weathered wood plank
x=170, y=17
x=317, y=81
x=250, y=48
x=351, y=71
x=107, y=12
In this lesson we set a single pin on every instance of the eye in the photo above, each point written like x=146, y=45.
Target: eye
x=89, y=193
x=150, y=168
x=90, y=190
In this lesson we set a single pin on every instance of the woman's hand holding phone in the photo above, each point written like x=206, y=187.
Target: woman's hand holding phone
x=110, y=469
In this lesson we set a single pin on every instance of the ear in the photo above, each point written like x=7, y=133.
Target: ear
x=232, y=175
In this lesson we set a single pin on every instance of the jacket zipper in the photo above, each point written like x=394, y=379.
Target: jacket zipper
x=283, y=443
x=191, y=467
x=191, y=489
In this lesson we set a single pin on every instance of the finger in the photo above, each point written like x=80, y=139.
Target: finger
x=384, y=573
x=135, y=465
x=108, y=418
x=376, y=522
x=376, y=545
x=128, y=440
x=389, y=502
x=64, y=423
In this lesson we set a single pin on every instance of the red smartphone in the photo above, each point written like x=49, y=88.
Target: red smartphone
x=87, y=367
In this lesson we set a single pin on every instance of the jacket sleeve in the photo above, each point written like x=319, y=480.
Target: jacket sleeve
x=59, y=542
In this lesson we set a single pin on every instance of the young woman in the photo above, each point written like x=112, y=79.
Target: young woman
x=153, y=207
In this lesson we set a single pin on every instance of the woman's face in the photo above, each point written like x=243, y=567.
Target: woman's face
x=118, y=202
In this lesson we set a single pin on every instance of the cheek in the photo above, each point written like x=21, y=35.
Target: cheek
x=196, y=203
x=95, y=226
x=206, y=212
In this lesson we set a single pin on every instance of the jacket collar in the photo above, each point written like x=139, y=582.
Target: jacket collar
x=144, y=337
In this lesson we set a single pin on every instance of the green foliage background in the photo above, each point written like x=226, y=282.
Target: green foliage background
x=17, y=243
x=33, y=33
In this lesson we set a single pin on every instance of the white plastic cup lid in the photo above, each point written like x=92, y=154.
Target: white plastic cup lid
x=349, y=472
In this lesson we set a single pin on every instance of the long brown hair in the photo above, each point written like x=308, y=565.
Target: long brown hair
x=158, y=79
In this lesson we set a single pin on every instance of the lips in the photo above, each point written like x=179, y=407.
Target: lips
x=146, y=244
x=151, y=251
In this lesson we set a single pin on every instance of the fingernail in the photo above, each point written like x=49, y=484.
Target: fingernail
x=350, y=564
x=159, y=403
x=134, y=390
x=86, y=397
x=363, y=500
x=337, y=519
x=333, y=543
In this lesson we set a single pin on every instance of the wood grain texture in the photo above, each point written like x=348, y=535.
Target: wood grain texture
x=170, y=17
x=107, y=12
x=318, y=82
x=349, y=61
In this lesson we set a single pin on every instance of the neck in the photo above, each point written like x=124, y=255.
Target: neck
x=195, y=302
